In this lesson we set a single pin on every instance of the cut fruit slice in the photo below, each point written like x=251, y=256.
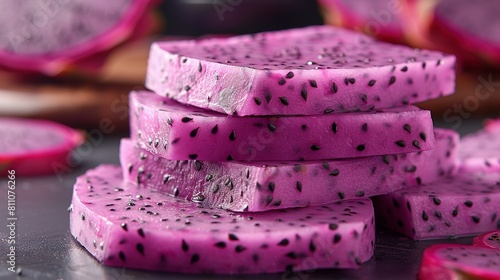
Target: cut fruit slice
x=175, y=131
x=306, y=71
x=126, y=226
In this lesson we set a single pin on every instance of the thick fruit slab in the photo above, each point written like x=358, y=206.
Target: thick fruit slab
x=466, y=204
x=126, y=226
x=175, y=131
x=452, y=261
x=35, y=147
x=307, y=71
x=262, y=186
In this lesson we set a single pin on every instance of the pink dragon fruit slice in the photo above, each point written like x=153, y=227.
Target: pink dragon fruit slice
x=488, y=240
x=466, y=204
x=262, y=186
x=480, y=151
x=126, y=226
x=46, y=36
x=453, y=261
x=313, y=70
x=379, y=18
x=175, y=131
x=35, y=147
x=472, y=25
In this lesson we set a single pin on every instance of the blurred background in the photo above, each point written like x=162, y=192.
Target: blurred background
x=74, y=62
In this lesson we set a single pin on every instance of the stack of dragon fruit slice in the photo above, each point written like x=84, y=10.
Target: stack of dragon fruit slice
x=258, y=153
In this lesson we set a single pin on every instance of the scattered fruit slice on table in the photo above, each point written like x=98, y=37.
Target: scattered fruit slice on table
x=35, y=147
x=480, y=151
x=453, y=261
x=488, y=240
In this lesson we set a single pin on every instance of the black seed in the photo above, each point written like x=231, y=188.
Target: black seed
x=407, y=128
x=425, y=217
x=455, y=212
x=476, y=219
x=400, y=223
x=184, y=246
x=298, y=185
x=271, y=127
x=336, y=238
x=140, y=248
x=313, y=83
x=401, y=143
x=186, y=119
x=371, y=83
x=233, y=237
x=315, y=147
x=423, y=136
x=271, y=186
x=232, y=136
x=312, y=247
x=187, y=88
x=199, y=67
x=257, y=100
x=229, y=158
x=333, y=226
x=468, y=203
x=124, y=226
x=335, y=172
x=423, y=65
x=284, y=100
x=408, y=206
x=351, y=80
x=283, y=242
x=198, y=165
x=404, y=69
x=392, y=80
x=360, y=193
x=419, y=181
x=334, y=127
x=341, y=195
x=395, y=203
x=289, y=75
x=364, y=127
x=386, y=160
x=438, y=215
x=195, y=258
x=360, y=147
x=436, y=200
x=194, y=132
x=304, y=127
x=140, y=232
x=121, y=255
x=277, y=203
x=416, y=144
x=176, y=140
x=239, y=249
x=327, y=111
x=269, y=199
x=291, y=255
x=334, y=88
x=303, y=93
x=220, y=244
x=268, y=95
x=281, y=81
x=83, y=217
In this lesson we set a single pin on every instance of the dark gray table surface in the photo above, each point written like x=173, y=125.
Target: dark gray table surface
x=46, y=249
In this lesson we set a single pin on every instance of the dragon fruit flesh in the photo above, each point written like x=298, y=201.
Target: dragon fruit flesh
x=265, y=186
x=47, y=36
x=175, y=131
x=488, y=240
x=35, y=147
x=379, y=18
x=307, y=71
x=480, y=151
x=126, y=226
x=453, y=261
x=471, y=25
x=465, y=204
